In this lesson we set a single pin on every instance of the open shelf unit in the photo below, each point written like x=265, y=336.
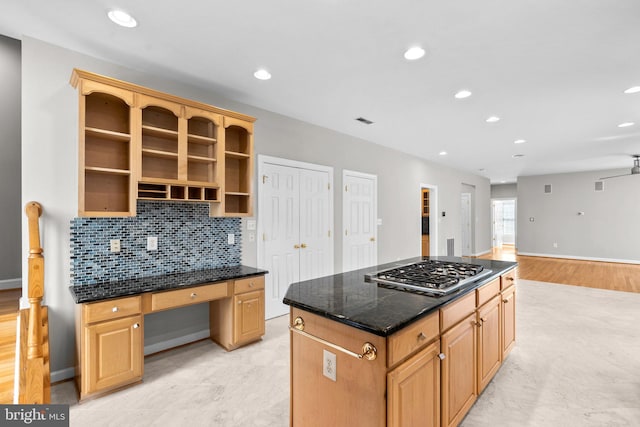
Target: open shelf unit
x=137, y=143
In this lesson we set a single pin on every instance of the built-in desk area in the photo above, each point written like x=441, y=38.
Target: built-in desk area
x=110, y=319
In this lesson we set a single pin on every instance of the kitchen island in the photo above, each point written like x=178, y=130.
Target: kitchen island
x=364, y=353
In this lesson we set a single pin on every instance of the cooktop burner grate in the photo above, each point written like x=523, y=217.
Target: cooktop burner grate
x=431, y=276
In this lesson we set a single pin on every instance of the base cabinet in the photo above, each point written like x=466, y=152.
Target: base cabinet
x=508, y=311
x=489, y=348
x=459, y=386
x=413, y=391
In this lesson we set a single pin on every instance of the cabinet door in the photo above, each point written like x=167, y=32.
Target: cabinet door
x=489, y=348
x=248, y=316
x=114, y=352
x=508, y=305
x=459, y=390
x=413, y=391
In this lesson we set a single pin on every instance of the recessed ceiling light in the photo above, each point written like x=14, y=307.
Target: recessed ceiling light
x=519, y=141
x=626, y=124
x=634, y=89
x=463, y=94
x=493, y=119
x=262, y=74
x=413, y=53
x=443, y=153
x=122, y=18
x=517, y=156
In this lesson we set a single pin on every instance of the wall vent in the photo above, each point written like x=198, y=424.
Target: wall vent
x=365, y=121
x=450, y=245
x=599, y=186
x=547, y=189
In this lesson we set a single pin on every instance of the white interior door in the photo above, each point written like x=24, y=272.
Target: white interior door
x=465, y=222
x=315, y=233
x=359, y=204
x=295, y=206
x=280, y=218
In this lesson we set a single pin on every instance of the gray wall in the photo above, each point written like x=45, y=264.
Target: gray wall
x=608, y=230
x=504, y=191
x=11, y=206
x=50, y=121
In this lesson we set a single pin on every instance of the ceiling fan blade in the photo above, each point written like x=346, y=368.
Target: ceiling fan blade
x=616, y=176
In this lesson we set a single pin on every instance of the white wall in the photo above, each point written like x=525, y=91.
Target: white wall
x=49, y=172
x=11, y=207
x=504, y=191
x=608, y=230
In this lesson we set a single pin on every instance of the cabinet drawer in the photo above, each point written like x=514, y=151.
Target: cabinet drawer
x=453, y=313
x=485, y=292
x=413, y=337
x=508, y=278
x=188, y=296
x=248, y=284
x=111, y=309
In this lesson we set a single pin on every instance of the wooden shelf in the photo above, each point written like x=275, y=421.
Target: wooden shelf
x=107, y=171
x=199, y=139
x=201, y=159
x=236, y=155
x=235, y=193
x=156, y=131
x=159, y=153
x=108, y=134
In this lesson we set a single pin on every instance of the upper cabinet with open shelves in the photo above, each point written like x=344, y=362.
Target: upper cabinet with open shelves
x=137, y=143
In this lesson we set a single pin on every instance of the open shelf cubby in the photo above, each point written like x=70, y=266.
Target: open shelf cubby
x=106, y=192
x=237, y=140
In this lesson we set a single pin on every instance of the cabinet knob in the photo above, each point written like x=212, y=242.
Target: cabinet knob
x=193, y=295
x=441, y=356
x=136, y=325
x=421, y=336
x=239, y=302
x=505, y=300
x=483, y=319
x=251, y=285
x=114, y=309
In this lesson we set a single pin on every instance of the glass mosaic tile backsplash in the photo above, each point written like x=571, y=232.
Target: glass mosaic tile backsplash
x=188, y=239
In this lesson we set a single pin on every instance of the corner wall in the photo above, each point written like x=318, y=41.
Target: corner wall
x=11, y=207
x=608, y=230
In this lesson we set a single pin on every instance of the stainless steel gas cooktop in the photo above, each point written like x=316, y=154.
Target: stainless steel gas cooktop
x=431, y=277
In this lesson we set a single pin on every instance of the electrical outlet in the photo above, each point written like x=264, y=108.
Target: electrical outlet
x=114, y=244
x=555, y=245
x=329, y=366
x=252, y=237
x=152, y=243
x=231, y=239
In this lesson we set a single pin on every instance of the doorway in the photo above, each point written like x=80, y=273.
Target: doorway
x=359, y=218
x=428, y=220
x=295, y=205
x=503, y=222
x=465, y=224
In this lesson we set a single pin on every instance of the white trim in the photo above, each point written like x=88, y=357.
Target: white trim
x=433, y=220
x=622, y=261
x=364, y=175
x=482, y=253
x=10, y=284
x=176, y=342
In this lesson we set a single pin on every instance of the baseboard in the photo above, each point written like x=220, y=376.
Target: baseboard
x=67, y=373
x=488, y=251
x=582, y=258
x=10, y=284
x=62, y=374
x=175, y=342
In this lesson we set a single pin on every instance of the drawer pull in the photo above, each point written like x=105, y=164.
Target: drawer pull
x=421, y=336
x=251, y=284
x=193, y=295
x=239, y=302
x=511, y=279
x=369, y=351
x=114, y=309
x=441, y=356
x=136, y=325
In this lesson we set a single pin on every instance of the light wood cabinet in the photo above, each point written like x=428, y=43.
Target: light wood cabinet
x=489, y=339
x=239, y=320
x=508, y=311
x=110, y=351
x=459, y=380
x=138, y=143
x=413, y=390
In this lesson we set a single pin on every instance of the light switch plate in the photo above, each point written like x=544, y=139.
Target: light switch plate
x=251, y=224
x=231, y=239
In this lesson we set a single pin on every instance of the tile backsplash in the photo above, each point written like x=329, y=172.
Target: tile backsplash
x=188, y=239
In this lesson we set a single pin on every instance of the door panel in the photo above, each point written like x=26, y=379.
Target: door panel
x=314, y=224
x=360, y=234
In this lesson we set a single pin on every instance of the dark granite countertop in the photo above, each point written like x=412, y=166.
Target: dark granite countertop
x=349, y=299
x=105, y=290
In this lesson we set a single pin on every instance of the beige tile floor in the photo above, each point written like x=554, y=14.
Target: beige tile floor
x=576, y=363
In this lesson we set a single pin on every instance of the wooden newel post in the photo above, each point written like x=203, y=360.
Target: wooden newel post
x=35, y=294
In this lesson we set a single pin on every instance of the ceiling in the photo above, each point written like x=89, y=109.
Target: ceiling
x=554, y=71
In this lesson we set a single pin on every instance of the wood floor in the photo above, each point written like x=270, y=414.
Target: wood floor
x=9, y=306
x=591, y=274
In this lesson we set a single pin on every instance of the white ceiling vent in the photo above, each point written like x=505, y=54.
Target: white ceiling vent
x=365, y=121
x=599, y=186
x=547, y=189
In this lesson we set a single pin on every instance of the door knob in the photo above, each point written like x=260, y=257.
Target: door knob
x=304, y=245
x=296, y=246
x=373, y=239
